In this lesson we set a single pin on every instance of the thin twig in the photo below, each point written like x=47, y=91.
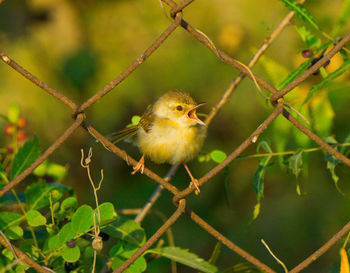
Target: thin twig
x=274, y=256
x=97, y=242
x=156, y=194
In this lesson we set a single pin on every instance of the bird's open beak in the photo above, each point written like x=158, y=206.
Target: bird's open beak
x=192, y=114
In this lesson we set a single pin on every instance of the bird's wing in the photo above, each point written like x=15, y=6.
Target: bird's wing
x=146, y=120
x=123, y=134
x=145, y=123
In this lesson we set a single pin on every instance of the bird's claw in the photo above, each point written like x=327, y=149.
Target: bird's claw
x=195, y=184
x=140, y=166
x=194, y=181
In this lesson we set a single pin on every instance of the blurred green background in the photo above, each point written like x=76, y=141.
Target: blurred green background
x=79, y=46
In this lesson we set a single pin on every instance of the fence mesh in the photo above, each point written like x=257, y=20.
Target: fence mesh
x=179, y=197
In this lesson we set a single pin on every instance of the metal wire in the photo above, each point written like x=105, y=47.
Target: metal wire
x=179, y=197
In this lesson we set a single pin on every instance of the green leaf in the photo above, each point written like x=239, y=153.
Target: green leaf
x=34, y=218
x=327, y=80
x=8, y=254
x=310, y=39
x=13, y=113
x=70, y=203
x=344, y=54
x=9, y=219
x=41, y=169
x=66, y=234
x=296, y=73
x=9, y=224
x=107, y=211
x=204, y=158
x=138, y=266
x=301, y=11
x=135, y=120
x=82, y=219
x=123, y=249
x=25, y=156
x=57, y=171
x=3, y=177
x=54, y=242
x=296, y=162
x=126, y=229
x=14, y=233
x=37, y=195
x=185, y=257
x=258, y=180
x=331, y=163
x=21, y=268
x=256, y=210
x=70, y=254
x=27, y=246
x=218, y=156
x=215, y=254
x=260, y=173
x=88, y=253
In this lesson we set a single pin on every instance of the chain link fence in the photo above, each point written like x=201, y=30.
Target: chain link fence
x=179, y=197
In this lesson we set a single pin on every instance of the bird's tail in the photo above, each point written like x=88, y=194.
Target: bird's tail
x=123, y=134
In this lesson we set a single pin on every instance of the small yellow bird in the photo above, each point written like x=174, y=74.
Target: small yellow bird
x=169, y=132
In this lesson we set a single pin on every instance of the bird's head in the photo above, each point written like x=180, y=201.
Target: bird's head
x=179, y=107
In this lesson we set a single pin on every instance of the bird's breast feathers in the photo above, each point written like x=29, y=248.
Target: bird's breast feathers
x=168, y=141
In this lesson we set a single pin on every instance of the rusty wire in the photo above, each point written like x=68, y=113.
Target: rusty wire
x=179, y=197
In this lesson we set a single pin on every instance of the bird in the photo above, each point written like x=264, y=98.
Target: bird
x=169, y=131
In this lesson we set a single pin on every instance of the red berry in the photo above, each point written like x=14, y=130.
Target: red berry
x=21, y=135
x=22, y=122
x=307, y=53
x=9, y=150
x=9, y=129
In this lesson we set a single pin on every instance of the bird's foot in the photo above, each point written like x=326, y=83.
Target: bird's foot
x=140, y=166
x=194, y=181
x=195, y=184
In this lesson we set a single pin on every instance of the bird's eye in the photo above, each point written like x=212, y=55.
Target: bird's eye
x=179, y=108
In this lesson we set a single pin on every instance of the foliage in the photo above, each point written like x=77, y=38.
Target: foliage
x=45, y=220
x=63, y=232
